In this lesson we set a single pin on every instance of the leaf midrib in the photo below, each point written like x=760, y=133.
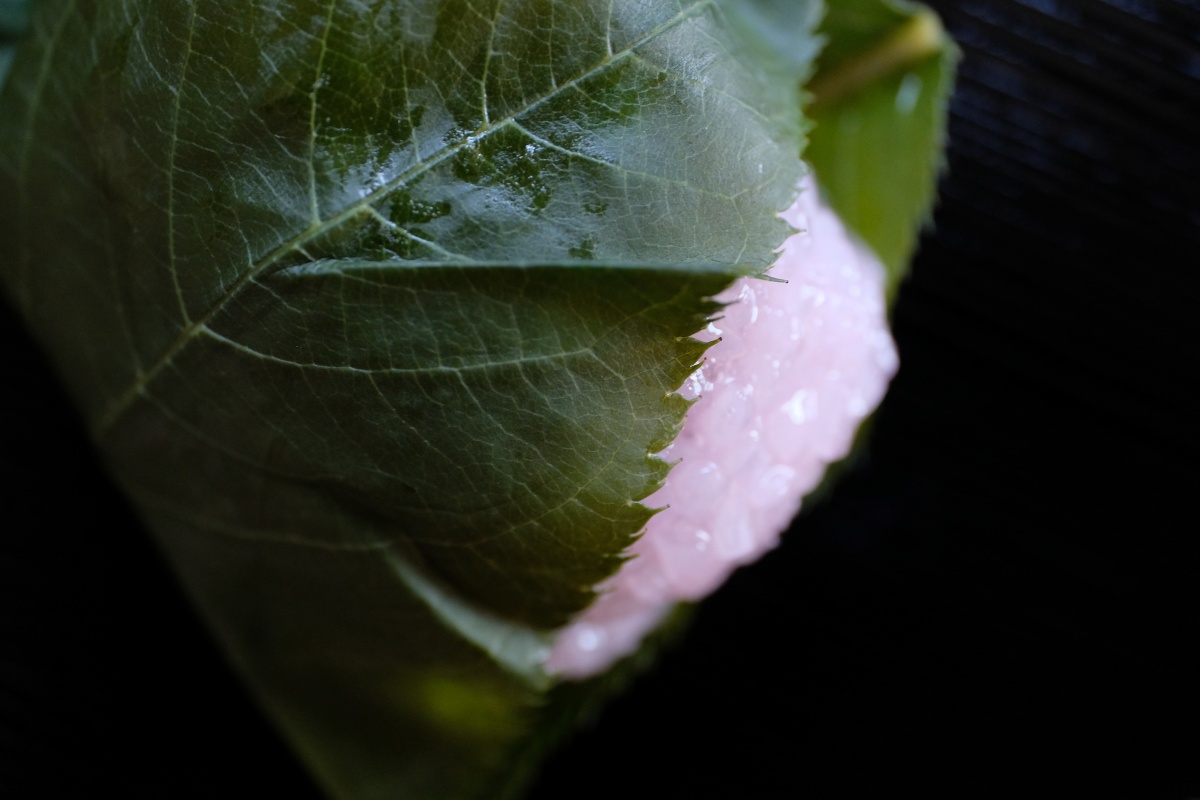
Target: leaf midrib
x=145, y=377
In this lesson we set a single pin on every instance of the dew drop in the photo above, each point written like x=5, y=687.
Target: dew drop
x=589, y=637
x=908, y=93
x=801, y=407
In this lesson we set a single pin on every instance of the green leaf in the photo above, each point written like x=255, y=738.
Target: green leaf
x=376, y=311
x=879, y=107
x=14, y=17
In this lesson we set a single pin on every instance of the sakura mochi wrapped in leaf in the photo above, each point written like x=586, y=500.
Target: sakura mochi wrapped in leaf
x=798, y=364
x=399, y=320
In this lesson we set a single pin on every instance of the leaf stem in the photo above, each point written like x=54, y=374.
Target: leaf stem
x=918, y=38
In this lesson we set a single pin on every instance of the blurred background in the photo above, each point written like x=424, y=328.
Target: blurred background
x=1000, y=599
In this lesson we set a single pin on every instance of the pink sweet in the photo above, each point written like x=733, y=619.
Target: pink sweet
x=798, y=367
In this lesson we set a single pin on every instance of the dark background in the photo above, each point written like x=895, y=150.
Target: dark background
x=1000, y=599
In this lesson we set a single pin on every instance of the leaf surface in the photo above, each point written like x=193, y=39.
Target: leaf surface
x=376, y=310
x=14, y=17
x=880, y=95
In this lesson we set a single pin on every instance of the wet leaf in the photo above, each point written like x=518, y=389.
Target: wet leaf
x=376, y=309
x=879, y=107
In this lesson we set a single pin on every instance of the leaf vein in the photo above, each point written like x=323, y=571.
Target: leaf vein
x=484, y=366
x=123, y=401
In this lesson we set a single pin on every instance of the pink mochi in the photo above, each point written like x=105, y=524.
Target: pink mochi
x=798, y=367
